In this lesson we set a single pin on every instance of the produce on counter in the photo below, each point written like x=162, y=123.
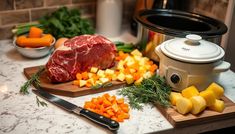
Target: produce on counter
x=199, y=104
x=60, y=42
x=130, y=68
x=35, y=38
x=66, y=23
x=63, y=22
x=124, y=47
x=152, y=90
x=109, y=106
x=200, y=101
x=78, y=55
x=183, y=105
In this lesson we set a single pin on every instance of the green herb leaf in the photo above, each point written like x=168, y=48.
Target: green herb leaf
x=33, y=80
x=153, y=90
x=40, y=103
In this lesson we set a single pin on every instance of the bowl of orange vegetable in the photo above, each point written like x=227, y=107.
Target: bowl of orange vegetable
x=35, y=44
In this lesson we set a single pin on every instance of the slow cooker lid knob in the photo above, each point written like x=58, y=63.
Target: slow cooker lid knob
x=193, y=39
x=175, y=78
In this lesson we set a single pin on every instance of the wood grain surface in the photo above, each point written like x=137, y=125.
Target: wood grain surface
x=67, y=88
x=178, y=120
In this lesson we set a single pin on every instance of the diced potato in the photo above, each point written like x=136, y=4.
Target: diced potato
x=130, y=63
x=90, y=75
x=104, y=80
x=217, y=90
x=142, y=69
x=190, y=92
x=82, y=83
x=218, y=106
x=121, y=77
x=199, y=104
x=100, y=73
x=120, y=65
x=132, y=70
x=209, y=97
x=114, y=77
x=183, y=105
x=137, y=58
x=91, y=80
x=94, y=69
x=174, y=96
x=136, y=52
x=109, y=72
x=129, y=79
x=147, y=75
x=138, y=82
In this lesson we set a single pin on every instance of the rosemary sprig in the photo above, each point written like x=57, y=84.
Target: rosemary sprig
x=42, y=103
x=152, y=90
x=33, y=80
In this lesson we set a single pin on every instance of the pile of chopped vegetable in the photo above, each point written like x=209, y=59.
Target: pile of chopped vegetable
x=109, y=106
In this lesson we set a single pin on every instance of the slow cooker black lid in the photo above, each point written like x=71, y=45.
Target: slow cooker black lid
x=180, y=23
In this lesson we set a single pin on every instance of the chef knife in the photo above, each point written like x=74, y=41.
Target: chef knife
x=107, y=122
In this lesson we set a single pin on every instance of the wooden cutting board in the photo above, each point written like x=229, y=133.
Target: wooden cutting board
x=178, y=120
x=67, y=88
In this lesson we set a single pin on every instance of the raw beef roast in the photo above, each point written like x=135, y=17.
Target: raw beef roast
x=79, y=54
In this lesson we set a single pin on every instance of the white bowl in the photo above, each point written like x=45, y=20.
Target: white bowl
x=38, y=52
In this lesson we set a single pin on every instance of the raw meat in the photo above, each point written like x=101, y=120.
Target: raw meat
x=79, y=54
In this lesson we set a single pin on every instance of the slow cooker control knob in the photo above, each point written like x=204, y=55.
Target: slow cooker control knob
x=175, y=78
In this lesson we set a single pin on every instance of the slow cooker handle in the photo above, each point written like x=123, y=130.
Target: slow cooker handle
x=224, y=66
x=158, y=51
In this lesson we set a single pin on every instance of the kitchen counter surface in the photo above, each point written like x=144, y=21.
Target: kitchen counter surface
x=20, y=113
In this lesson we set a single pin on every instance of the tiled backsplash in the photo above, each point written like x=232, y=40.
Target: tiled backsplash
x=13, y=12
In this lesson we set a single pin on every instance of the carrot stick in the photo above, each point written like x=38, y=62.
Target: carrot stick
x=35, y=32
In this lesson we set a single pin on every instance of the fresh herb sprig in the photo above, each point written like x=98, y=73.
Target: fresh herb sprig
x=97, y=86
x=33, y=80
x=151, y=90
x=40, y=103
x=125, y=47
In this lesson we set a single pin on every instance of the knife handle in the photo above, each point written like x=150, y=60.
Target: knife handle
x=100, y=119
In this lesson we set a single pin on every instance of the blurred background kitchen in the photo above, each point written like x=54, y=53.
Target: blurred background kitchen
x=13, y=12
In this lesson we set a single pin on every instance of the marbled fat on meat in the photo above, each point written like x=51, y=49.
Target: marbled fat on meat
x=79, y=54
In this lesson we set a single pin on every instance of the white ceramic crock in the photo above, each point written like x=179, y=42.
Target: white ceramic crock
x=190, y=61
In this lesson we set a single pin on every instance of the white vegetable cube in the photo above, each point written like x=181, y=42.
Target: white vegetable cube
x=104, y=80
x=143, y=61
x=120, y=65
x=136, y=52
x=137, y=58
x=90, y=75
x=138, y=82
x=109, y=72
x=114, y=77
x=121, y=77
x=129, y=79
x=132, y=70
x=91, y=80
x=147, y=74
x=82, y=83
x=100, y=73
x=98, y=82
x=94, y=69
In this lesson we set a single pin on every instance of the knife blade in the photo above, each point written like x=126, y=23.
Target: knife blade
x=107, y=122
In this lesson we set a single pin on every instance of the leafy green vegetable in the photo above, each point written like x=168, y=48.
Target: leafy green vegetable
x=42, y=103
x=152, y=90
x=66, y=23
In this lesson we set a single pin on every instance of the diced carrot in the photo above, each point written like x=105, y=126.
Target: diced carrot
x=153, y=68
x=76, y=82
x=106, y=115
x=115, y=107
x=79, y=76
x=136, y=76
x=150, y=62
x=106, y=95
x=110, y=112
x=85, y=76
x=120, y=101
x=106, y=103
x=88, y=84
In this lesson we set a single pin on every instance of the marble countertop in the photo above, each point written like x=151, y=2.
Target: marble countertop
x=20, y=113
